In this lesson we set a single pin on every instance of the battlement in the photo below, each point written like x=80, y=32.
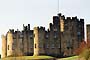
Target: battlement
x=82, y=20
x=11, y=31
x=68, y=18
x=50, y=26
x=25, y=28
x=55, y=17
x=73, y=18
x=39, y=28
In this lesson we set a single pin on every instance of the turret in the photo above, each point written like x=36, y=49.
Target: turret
x=10, y=43
x=39, y=41
x=36, y=41
x=50, y=27
x=4, y=46
x=62, y=18
x=56, y=20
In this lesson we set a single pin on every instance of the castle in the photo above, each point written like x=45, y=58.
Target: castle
x=61, y=38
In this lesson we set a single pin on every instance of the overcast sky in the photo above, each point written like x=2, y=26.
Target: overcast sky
x=15, y=13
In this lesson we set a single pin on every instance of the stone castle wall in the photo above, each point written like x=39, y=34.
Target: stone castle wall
x=61, y=39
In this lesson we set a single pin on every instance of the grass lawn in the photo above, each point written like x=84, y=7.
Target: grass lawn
x=27, y=58
x=69, y=58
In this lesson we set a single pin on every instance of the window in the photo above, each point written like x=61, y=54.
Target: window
x=14, y=37
x=47, y=46
x=31, y=46
x=55, y=29
x=68, y=44
x=78, y=33
x=34, y=35
x=58, y=46
x=66, y=27
x=47, y=36
x=55, y=35
x=8, y=47
x=52, y=46
x=31, y=36
x=35, y=45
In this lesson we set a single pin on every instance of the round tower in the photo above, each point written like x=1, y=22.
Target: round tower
x=4, y=47
x=36, y=41
x=10, y=44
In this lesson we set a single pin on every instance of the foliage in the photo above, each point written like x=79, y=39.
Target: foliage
x=85, y=54
x=84, y=50
x=81, y=48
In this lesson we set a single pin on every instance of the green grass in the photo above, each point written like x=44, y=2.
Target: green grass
x=27, y=58
x=70, y=58
x=38, y=57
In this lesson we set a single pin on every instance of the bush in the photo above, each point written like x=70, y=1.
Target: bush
x=81, y=48
x=84, y=50
x=85, y=54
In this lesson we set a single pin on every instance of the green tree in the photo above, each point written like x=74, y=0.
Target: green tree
x=86, y=51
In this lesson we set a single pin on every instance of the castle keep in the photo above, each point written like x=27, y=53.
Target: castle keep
x=61, y=38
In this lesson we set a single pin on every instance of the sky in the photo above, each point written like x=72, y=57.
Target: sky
x=15, y=13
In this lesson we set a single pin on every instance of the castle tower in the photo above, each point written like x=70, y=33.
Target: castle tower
x=39, y=41
x=62, y=18
x=36, y=41
x=4, y=46
x=10, y=43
